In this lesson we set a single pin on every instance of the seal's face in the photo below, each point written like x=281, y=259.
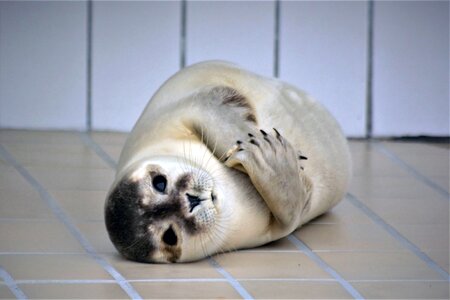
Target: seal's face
x=162, y=212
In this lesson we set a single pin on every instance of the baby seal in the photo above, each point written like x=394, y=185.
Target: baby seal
x=223, y=159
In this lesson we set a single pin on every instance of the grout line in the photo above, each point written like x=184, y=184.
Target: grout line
x=65, y=281
x=12, y=284
x=191, y=280
x=90, y=143
x=314, y=257
x=411, y=170
x=396, y=280
x=369, y=74
x=276, y=43
x=183, y=33
x=65, y=219
x=231, y=280
x=89, y=66
x=290, y=279
x=398, y=236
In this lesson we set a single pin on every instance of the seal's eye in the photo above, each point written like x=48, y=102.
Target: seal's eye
x=159, y=183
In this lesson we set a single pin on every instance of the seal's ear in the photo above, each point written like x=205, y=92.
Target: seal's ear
x=124, y=222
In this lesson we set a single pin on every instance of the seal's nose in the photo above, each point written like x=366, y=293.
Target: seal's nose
x=193, y=201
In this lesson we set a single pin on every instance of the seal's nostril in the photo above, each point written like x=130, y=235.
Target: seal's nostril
x=170, y=237
x=193, y=201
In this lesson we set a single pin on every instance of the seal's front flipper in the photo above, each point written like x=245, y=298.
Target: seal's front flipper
x=276, y=171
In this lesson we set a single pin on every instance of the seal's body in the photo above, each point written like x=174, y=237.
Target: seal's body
x=222, y=159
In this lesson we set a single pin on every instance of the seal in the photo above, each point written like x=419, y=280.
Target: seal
x=223, y=159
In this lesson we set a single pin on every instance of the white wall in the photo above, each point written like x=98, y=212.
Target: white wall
x=324, y=51
x=136, y=46
x=135, y=49
x=43, y=64
x=241, y=32
x=411, y=68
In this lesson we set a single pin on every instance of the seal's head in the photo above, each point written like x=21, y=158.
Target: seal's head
x=163, y=211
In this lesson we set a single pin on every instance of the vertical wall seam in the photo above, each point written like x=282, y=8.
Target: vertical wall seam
x=369, y=79
x=89, y=67
x=276, y=42
x=183, y=15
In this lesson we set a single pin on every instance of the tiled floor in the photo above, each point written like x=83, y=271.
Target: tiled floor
x=388, y=239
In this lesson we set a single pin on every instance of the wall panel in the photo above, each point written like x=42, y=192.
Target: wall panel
x=241, y=32
x=323, y=50
x=135, y=49
x=411, y=68
x=43, y=65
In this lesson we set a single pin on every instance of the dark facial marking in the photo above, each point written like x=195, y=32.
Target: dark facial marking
x=163, y=210
x=183, y=182
x=126, y=227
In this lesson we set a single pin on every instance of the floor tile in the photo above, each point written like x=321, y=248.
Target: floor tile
x=81, y=205
x=5, y=293
x=344, y=213
x=73, y=156
x=280, y=245
x=441, y=181
x=53, y=267
x=379, y=266
x=74, y=291
x=73, y=179
x=441, y=257
x=23, y=203
x=12, y=180
x=403, y=290
x=186, y=290
x=372, y=164
x=113, y=151
x=426, y=237
x=244, y=265
x=96, y=234
x=109, y=138
x=38, y=137
x=36, y=236
x=135, y=270
x=392, y=187
x=295, y=290
x=411, y=210
x=347, y=237
x=428, y=160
